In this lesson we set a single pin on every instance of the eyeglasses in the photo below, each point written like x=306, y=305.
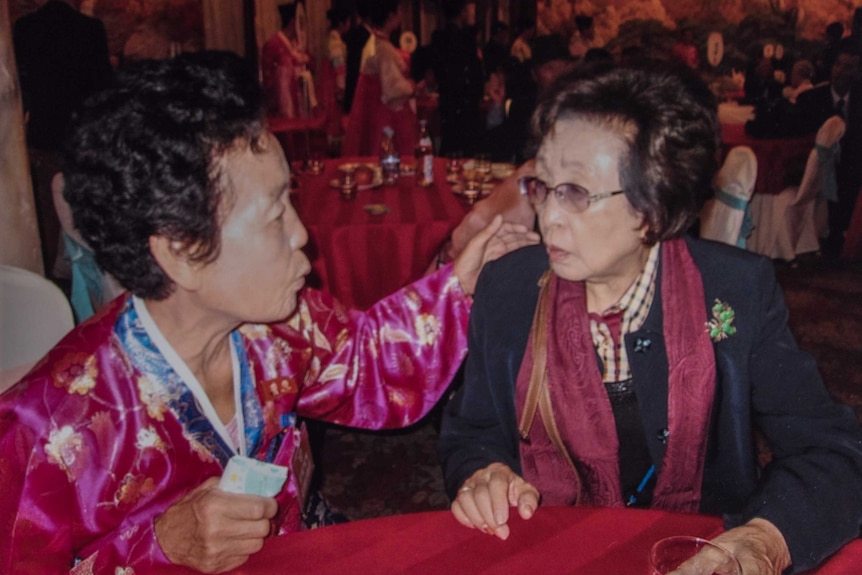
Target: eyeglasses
x=572, y=197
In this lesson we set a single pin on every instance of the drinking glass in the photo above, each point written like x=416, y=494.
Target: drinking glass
x=687, y=555
x=314, y=165
x=348, y=184
x=454, y=163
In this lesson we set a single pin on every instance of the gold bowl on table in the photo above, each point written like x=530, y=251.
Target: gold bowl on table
x=367, y=176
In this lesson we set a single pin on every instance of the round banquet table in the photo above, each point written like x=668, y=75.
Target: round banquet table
x=571, y=540
x=359, y=256
x=780, y=162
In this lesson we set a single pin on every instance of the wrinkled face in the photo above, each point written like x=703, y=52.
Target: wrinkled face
x=260, y=266
x=603, y=244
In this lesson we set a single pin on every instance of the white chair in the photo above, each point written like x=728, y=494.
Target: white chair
x=724, y=218
x=792, y=222
x=35, y=316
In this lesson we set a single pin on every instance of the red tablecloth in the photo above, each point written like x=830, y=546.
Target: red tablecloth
x=779, y=162
x=571, y=540
x=360, y=257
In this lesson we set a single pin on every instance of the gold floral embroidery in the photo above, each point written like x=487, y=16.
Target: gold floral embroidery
x=132, y=488
x=256, y=331
x=275, y=388
x=124, y=571
x=103, y=429
x=427, y=329
x=319, y=339
x=76, y=372
x=202, y=452
x=304, y=315
x=63, y=447
x=412, y=300
x=398, y=398
x=313, y=369
x=335, y=371
x=341, y=340
x=147, y=438
x=373, y=352
x=393, y=335
x=150, y=397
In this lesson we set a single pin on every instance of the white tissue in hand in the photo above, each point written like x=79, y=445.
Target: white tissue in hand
x=252, y=477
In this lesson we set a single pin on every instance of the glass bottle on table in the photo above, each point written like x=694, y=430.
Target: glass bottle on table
x=390, y=162
x=424, y=157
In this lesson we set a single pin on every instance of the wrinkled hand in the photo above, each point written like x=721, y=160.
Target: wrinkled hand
x=497, y=239
x=483, y=501
x=758, y=545
x=214, y=531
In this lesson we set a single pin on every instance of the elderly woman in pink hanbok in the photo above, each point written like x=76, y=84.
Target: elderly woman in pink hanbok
x=112, y=447
x=384, y=91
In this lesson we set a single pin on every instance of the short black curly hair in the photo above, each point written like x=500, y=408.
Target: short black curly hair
x=668, y=118
x=142, y=159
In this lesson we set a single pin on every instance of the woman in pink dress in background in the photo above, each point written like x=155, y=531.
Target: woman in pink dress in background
x=384, y=92
x=284, y=68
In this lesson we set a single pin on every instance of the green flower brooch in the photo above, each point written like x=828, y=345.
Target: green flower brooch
x=721, y=325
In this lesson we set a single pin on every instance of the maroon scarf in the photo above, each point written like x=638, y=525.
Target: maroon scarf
x=573, y=457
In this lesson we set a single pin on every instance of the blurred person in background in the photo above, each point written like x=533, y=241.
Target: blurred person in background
x=460, y=79
x=287, y=82
x=384, y=92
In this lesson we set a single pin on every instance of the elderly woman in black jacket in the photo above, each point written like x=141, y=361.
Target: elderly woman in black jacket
x=633, y=364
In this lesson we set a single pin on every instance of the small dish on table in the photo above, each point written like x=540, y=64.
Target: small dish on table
x=367, y=176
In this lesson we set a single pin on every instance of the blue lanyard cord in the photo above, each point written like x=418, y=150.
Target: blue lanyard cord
x=634, y=497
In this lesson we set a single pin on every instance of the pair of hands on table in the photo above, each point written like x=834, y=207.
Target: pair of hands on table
x=485, y=499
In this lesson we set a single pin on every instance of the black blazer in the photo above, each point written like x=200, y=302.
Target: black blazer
x=812, y=490
x=62, y=58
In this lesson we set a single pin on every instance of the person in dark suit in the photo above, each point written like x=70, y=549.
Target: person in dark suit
x=355, y=40
x=632, y=365
x=460, y=80
x=843, y=97
x=62, y=58
x=496, y=50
